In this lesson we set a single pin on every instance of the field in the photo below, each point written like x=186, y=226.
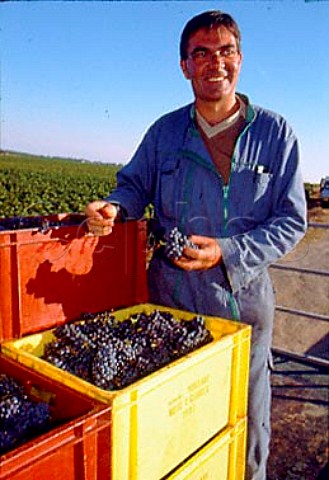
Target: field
x=32, y=185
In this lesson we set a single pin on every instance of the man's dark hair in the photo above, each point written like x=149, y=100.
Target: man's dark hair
x=207, y=20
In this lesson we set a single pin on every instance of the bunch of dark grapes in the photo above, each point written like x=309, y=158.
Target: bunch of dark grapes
x=112, y=354
x=115, y=364
x=76, y=343
x=175, y=242
x=20, y=417
x=9, y=386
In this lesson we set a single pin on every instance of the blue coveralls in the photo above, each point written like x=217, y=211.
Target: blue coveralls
x=258, y=217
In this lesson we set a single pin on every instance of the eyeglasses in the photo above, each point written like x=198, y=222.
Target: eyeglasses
x=203, y=55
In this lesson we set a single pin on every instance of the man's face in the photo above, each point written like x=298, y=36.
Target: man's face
x=213, y=64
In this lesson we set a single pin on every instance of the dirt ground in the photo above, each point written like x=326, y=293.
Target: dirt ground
x=299, y=446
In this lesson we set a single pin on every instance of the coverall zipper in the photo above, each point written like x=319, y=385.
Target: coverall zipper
x=225, y=189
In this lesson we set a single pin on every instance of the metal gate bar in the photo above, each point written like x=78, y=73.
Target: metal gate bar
x=301, y=357
x=302, y=313
x=280, y=266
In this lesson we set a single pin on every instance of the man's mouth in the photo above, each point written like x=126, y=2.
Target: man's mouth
x=218, y=77
x=215, y=79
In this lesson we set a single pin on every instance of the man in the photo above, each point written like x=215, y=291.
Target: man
x=226, y=174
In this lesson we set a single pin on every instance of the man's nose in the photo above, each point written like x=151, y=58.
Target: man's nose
x=217, y=58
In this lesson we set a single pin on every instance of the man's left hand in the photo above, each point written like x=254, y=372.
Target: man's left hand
x=207, y=255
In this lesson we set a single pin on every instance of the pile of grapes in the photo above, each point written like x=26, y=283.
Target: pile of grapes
x=112, y=354
x=20, y=417
x=175, y=242
x=42, y=223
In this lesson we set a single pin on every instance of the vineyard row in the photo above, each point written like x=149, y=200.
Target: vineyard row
x=32, y=185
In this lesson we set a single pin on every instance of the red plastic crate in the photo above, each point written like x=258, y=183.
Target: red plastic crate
x=76, y=449
x=49, y=278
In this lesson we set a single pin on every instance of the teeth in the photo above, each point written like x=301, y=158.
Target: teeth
x=217, y=76
x=215, y=79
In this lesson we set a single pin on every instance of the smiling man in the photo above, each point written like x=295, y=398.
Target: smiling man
x=225, y=173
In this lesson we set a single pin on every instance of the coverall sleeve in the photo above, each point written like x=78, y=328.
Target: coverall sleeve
x=135, y=181
x=247, y=254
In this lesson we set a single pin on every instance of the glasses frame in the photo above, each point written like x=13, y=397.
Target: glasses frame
x=202, y=55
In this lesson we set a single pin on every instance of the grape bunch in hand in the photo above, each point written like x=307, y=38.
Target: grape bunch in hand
x=175, y=242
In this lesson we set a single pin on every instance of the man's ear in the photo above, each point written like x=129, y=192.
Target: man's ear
x=185, y=70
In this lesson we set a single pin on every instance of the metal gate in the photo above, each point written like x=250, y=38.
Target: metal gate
x=321, y=362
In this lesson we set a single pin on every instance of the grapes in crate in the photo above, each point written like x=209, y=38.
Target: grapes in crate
x=112, y=354
x=21, y=418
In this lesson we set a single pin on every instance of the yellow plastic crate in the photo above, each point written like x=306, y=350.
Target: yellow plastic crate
x=160, y=420
x=223, y=458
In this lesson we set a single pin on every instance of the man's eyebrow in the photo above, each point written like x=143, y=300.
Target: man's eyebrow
x=199, y=49
x=203, y=48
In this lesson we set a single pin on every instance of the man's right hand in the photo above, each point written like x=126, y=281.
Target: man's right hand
x=100, y=217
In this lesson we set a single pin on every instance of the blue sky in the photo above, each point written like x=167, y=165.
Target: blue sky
x=85, y=79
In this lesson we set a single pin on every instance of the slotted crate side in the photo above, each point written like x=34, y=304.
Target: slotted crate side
x=76, y=448
x=223, y=458
x=49, y=278
x=177, y=409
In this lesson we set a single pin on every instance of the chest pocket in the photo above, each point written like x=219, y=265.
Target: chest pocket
x=251, y=193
